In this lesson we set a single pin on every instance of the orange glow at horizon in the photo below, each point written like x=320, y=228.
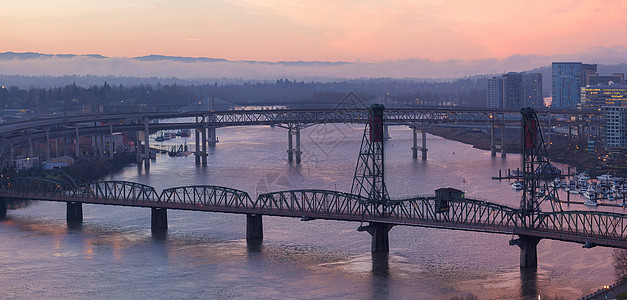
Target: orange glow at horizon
x=340, y=30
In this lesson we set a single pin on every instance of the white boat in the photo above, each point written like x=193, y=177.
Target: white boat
x=573, y=191
x=558, y=183
x=604, y=178
x=590, y=203
x=517, y=185
x=590, y=194
x=582, y=175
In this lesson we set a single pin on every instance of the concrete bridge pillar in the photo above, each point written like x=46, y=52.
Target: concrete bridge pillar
x=290, y=149
x=386, y=134
x=77, y=151
x=102, y=146
x=11, y=153
x=146, y=143
x=297, y=151
x=158, y=218
x=111, y=145
x=56, y=147
x=74, y=214
x=3, y=208
x=213, y=139
x=47, y=144
x=204, y=146
x=492, y=145
x=379, y=233
x=254, y=227
x=414, y=149
x=503, y=152
x=197, y=153
x=30, y=145
x=424, y=144
x=548, y=138
x=138, y=144
x=93, y=145
x=528, y=251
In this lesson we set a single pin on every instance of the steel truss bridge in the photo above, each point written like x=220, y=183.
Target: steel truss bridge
x=447, y=210
x=37, y=128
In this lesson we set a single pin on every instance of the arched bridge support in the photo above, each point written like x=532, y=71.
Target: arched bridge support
x=158, y=218
x=379, y=233
x=254, y=227
x=74, y=213
x=3, y=208
x=528, y=250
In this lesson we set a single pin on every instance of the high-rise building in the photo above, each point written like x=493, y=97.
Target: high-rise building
x=496, y=92
x=515, y=90
x=597, y=96
x=616, y=78
x=615, y=127
x=568, y=79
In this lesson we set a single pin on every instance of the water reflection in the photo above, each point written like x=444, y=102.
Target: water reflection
x=528, y=283
x=159, y=234
x=380, y=276
x=254, y=245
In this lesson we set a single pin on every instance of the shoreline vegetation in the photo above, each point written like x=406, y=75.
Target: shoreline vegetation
x=561, y=151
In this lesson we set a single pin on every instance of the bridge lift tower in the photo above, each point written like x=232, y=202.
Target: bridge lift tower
x=369, y=179
x=537, y=172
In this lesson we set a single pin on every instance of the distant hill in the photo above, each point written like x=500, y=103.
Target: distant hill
x=155, y=57
x=35, y=55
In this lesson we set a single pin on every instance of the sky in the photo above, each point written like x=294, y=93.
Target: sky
x=380, y=32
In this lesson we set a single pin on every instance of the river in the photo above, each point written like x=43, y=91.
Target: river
x=205, y=255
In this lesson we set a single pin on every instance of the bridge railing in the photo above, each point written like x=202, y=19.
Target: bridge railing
x=207, y=195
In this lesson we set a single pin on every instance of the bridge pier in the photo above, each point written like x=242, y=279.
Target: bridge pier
x=298, y=152
x=291, y=152
x=47, y=144
x=77, y=147
x=503, y=152
x=111, y=145
x=492, y=145
x=74, y=213
x=197, y=152
x=424, y=144
x=528, y=250
x=204, y=146
x=290, y=149
x=414, y=149
x=3, y=208
x=379, y=233
x=158, y=218
x=146, y=144
x=386, y=134
x=254, y=227
x=213, y=139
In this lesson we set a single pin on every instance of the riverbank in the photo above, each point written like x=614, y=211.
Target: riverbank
x=562, y=150
x=84, y=170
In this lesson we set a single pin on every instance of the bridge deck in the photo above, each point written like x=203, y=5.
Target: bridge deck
x=598, y=228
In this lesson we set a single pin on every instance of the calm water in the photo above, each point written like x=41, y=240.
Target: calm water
x=205, y=255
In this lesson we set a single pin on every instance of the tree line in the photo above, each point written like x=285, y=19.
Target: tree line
x=468, y=92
